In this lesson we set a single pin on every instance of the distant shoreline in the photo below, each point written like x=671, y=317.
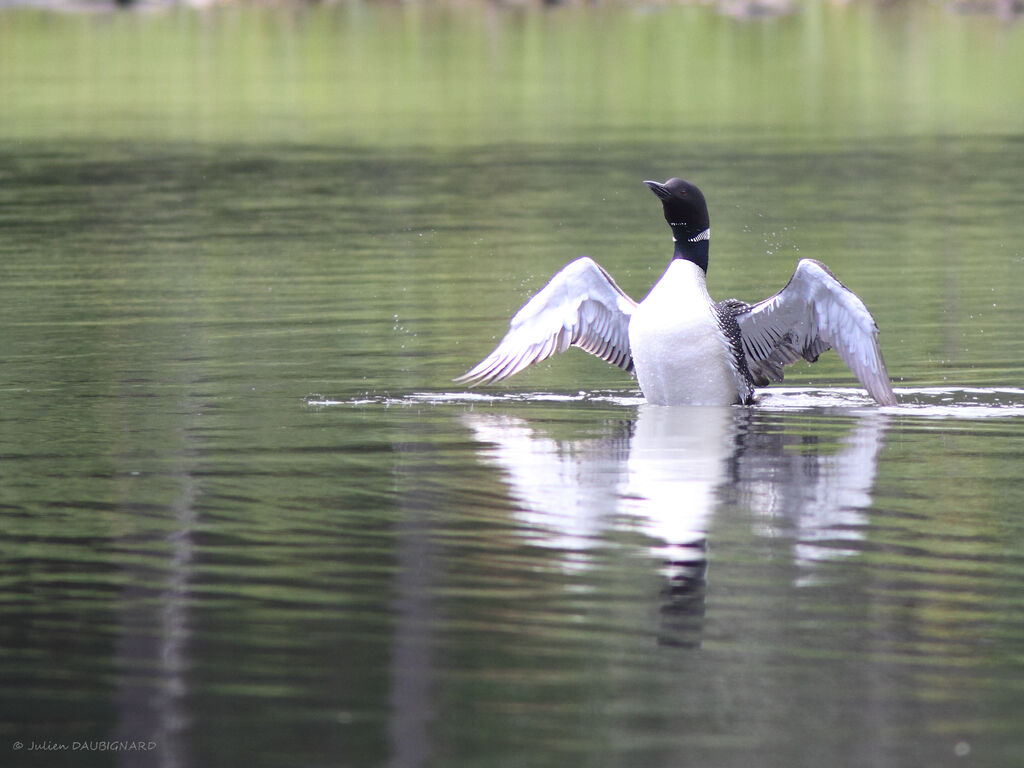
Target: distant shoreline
x=744, y=9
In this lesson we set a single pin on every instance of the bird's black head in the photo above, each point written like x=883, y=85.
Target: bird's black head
x=687, y=215
x=685, y=209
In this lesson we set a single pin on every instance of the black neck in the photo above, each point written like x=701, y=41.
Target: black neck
x=697, y=252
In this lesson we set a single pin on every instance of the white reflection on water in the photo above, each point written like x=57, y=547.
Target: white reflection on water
x=568, y=490
x=817, y=497
x=665, y=473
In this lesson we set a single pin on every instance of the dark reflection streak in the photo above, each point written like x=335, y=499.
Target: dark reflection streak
x=676, y=468
x=152, y=644
x=684, y=604
x=411, y=694
x=173, y=719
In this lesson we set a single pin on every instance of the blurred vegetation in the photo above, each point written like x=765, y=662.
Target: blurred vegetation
x=743, y=9
x=474, y=74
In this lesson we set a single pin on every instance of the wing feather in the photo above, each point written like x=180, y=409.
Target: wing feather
x=814, y=313
x=580, y=306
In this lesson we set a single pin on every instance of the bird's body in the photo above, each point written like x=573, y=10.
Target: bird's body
x=685, y=348
x=680, y=353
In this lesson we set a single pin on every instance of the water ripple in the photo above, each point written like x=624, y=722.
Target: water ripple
x=926, y=402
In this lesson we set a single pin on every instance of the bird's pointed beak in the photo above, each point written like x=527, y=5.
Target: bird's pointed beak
x=659, y=189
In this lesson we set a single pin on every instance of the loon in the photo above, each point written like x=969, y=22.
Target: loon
x=684, y=347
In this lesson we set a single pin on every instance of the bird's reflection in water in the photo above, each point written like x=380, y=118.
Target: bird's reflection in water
x=663, y=475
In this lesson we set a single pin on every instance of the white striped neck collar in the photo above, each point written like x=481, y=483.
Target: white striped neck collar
x=698, y=238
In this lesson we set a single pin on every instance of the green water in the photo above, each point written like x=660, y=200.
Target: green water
x=247, y=518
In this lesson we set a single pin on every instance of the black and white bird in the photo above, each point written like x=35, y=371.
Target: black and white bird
x=684, y=347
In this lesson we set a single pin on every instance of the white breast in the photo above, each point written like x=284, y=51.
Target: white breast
x=680, y=353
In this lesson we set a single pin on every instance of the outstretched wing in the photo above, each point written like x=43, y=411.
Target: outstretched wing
x=813, y=313
x=581, y=307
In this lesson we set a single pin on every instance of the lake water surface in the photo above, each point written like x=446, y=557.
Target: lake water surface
x=247, y=519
